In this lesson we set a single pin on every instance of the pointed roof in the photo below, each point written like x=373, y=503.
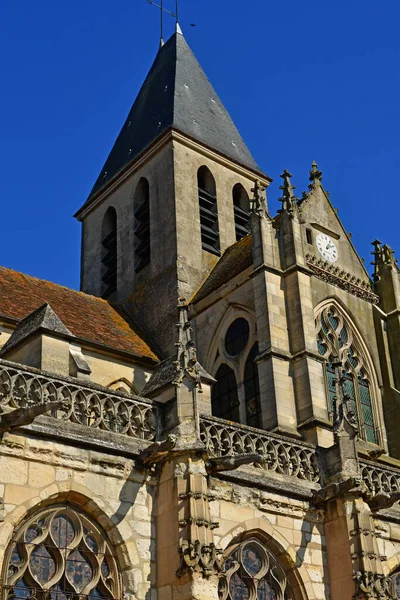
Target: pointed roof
x=42, y=319
x=176, y=94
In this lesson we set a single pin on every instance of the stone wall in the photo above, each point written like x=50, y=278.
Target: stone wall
x=35, y=473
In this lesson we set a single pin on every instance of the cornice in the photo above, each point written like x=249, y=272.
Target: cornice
x=341, y=278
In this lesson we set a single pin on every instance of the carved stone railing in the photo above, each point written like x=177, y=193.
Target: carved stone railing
x=380, y=478
x=86, y=404
x=281, y=455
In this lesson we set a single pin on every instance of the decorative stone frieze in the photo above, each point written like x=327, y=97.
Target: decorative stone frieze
x=341, y=278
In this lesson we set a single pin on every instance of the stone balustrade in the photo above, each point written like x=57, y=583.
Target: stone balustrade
x=380, y=478
x=281, y=455
x=85, y=404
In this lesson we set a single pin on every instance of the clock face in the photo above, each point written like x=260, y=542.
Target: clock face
x=326, y=247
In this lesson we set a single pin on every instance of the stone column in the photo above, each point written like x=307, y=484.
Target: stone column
x=387, y=286
x=306, y=364
x=276, y=384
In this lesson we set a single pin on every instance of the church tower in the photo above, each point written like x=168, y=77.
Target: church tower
x=171, y=197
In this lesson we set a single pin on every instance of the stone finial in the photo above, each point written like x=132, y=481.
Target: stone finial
x=258, y=202
x=315, y=175
x=186, y=360
x=383, y=259
x=288, y=199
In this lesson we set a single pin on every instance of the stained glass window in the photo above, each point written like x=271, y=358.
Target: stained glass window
x=252, y=390
x=224, y=395
x=343, y=360
x=251, y=572
x=58, y=555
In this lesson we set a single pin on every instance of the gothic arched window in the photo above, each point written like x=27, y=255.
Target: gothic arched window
x=224, y=395
x=252, y=389
x=337, y=346
x=109, y=258
x=251, y=572
x=241, y=211
x=60, y=554
x=141, y=225
x=208, y=211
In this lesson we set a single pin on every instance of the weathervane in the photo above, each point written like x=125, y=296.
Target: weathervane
x=163, y=10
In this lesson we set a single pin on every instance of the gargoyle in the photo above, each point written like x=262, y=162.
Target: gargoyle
x=157, y=451
x=383, y=500
x=230, y=463
x=26, y=416
x=335, y=490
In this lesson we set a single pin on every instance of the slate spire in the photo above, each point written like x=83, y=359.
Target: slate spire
x=175, y=95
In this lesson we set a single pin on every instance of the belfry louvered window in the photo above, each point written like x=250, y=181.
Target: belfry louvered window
x=60, y=554
x=208, y=211
x=109, y=258
x=224, y=395
x=142, y=225
x=343, y=359
x=241, y=211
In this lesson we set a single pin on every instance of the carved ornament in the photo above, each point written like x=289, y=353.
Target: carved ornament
x=341, y=278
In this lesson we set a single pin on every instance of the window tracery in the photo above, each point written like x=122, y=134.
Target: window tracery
x=236, y=395
x=60, y=554
x=251, y=572
x=337, y=345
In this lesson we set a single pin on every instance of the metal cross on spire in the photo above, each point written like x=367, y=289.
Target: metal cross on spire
x=162, y=11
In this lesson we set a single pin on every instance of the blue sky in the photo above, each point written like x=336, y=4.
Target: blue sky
x=303, y=81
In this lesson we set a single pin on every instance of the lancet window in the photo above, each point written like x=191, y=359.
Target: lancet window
x=141, y=226
x=241, y=211
x=344, y=360
x=109, y=257
x=236, y=394
x=251, y=572
x=224, y=396
x=252, y=390
x=60, y=554
x=208, y=211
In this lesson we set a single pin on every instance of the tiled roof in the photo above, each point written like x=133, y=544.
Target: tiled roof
x=235, y=259
x=87, y=317
x=176, y=94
